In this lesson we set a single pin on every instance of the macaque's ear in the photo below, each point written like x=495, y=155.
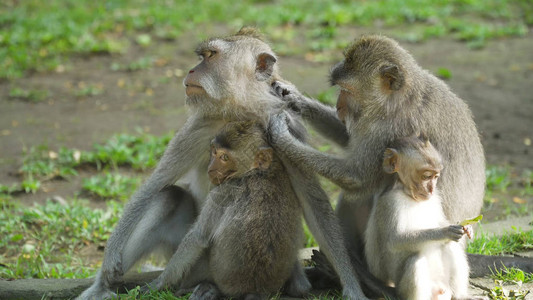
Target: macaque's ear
x=264, y=66
x=392, y=77
x=263, y=158
x=390, y=161
x=424, y=138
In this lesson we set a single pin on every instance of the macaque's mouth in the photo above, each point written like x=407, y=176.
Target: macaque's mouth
x=217, y=178
x=192, y=89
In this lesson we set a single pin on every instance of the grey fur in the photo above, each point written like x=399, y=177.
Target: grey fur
x=229, y=94
x=418, y=102
x=249, y=231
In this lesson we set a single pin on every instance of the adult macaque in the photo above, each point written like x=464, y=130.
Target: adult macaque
x=249, y=228
x=408, y=241
x=232, y=82
x=385, y=95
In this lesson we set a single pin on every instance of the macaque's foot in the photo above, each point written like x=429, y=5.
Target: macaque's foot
x=155, y=285
x=206, y=291
x=96, y=292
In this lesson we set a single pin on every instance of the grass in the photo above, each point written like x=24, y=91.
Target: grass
x=30, y=95
x=44, y=241
x=111, y=186
x=90, y=90
x=527, y=183
x=512, y=275
x=499, y=292
x=137, y=294
x=498, y=178
x=511, y=242
x=41, y=36
x=139, y=152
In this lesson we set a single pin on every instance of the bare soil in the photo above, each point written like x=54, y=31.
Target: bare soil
x=494, y=81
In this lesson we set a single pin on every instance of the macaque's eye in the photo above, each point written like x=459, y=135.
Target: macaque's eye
x=427, y=175
x=224, y=157
x=208, y=54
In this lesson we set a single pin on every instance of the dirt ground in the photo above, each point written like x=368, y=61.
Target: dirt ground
x=494, y=81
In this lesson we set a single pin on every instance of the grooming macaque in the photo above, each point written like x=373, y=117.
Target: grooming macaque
x=232, y=82
x=385, y=95
x=250, y=226
x=408, y=241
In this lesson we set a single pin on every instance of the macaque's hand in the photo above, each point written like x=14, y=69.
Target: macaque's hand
x=469, y=231
x=454, y=232
x=290, y=94
x=278, y=126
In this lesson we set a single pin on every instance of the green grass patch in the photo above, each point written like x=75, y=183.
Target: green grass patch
x=37, y=35
x=111, y=186
x=43, y=241
x=444, y=73
x=499, y=292
x=155, y=295
x=90, y=90
x=30, y=95
x=498, y=178
x=140, y=152
x=512, y=275
x=527, y=183
x=508, y=243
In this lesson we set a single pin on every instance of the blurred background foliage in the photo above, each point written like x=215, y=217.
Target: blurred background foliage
x=38, y=35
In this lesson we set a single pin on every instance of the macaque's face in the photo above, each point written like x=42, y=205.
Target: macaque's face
x=342, y=105
x=229, y=68
x=419, y=171
x=222, y=165
x=418, y=166
x=421, y=184
x=205, y=79
x=237, y=150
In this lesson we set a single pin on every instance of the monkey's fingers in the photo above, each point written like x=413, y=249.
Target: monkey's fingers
x=278, y=124
x=469, y=231
x=282, y=89
x=455, y=232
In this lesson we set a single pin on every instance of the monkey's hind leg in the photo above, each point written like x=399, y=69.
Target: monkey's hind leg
x=415, y=283
x=162, y=222
x=168, y=217
x=298, y=285
x=455, y=258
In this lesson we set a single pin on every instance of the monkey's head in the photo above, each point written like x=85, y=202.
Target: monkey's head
x=239, y=150
x=232, y=71
x=375, y=69
x=417, y=163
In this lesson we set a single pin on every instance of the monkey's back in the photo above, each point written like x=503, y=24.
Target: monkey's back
x=256, y=248
x=448, y=123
